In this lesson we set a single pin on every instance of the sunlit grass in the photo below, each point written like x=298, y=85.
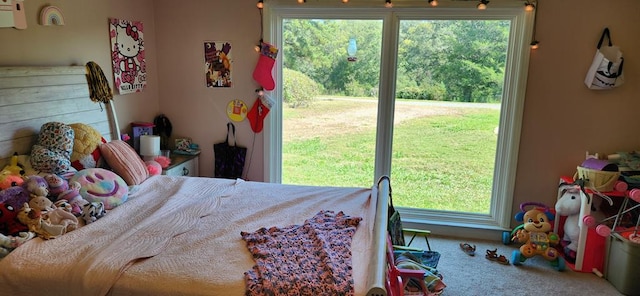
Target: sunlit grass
x=442, y=162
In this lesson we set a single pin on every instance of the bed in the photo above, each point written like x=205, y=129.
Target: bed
x=174, y=235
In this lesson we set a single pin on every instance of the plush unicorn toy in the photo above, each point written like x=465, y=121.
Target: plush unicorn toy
x=569, y=205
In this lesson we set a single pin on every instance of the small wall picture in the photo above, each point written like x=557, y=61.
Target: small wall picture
x=127, y=54
x=217, y=62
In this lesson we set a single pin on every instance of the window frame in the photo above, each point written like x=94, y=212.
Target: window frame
x=512, y=106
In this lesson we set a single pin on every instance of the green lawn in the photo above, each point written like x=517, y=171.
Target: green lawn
x=442, y=161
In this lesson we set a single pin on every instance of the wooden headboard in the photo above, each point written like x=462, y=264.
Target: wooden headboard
x=32, y=96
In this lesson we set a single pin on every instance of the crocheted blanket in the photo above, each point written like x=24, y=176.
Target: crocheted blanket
x=309, y=259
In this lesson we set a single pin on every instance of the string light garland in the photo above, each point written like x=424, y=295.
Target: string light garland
x=529, y=6
x=483, y=4
x=260, y=6
x=534, y=42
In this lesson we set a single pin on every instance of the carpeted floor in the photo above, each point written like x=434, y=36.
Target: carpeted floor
x=466, y=275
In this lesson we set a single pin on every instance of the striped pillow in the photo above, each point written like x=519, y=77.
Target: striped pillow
x=124, y=161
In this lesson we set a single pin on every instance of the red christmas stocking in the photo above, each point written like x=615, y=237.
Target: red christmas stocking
x=262, y=72
x=258, y=112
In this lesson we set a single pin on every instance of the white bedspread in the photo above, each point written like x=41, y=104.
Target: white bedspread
x=179, y=236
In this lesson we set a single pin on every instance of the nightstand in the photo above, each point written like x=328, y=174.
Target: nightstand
x=182, y=165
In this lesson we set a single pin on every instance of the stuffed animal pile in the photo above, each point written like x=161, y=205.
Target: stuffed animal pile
x=57, y=188
x=43, y=206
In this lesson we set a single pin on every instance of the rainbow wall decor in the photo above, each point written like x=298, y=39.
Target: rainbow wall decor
x=51, y=15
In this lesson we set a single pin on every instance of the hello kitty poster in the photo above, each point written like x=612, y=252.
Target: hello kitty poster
x=127, y=55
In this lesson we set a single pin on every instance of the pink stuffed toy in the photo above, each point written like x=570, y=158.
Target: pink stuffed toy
x=56, y=184
x=153, y=167
x=163, y=161
x=73, y=197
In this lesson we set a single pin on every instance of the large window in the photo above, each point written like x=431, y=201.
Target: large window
x=476, y=59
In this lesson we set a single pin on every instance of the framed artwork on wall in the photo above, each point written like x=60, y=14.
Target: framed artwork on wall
x=217, y=62
x=127, y=55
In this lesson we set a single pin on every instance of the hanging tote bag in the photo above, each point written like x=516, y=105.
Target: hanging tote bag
x=229, y=159
x=606, y=70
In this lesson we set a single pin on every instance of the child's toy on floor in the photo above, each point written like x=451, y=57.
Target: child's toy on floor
x=569, y=205
x=537, y=236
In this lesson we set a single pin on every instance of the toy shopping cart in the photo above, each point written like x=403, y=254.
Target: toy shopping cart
x=622, y=261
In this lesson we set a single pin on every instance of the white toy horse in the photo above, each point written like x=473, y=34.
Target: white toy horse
x=569, y=205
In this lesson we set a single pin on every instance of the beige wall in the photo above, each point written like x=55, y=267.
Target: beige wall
x=85, y=37
x=562, y=118
x=195, y=110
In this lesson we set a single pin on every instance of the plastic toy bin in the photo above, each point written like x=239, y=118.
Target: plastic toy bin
x=622, y=264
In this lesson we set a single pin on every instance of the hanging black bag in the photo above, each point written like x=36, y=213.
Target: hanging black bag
x=229, y=159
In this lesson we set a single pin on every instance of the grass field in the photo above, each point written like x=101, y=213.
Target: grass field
x=443, y=154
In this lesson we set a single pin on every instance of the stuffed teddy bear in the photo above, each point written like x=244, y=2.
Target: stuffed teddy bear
x=53, y=215
x=73, y=197
x=36, y=224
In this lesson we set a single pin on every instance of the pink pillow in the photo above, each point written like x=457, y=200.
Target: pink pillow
x=124, y=161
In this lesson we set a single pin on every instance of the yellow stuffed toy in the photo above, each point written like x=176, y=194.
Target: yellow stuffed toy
x=13, y=168
x=12, y=174
x=85, y=146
